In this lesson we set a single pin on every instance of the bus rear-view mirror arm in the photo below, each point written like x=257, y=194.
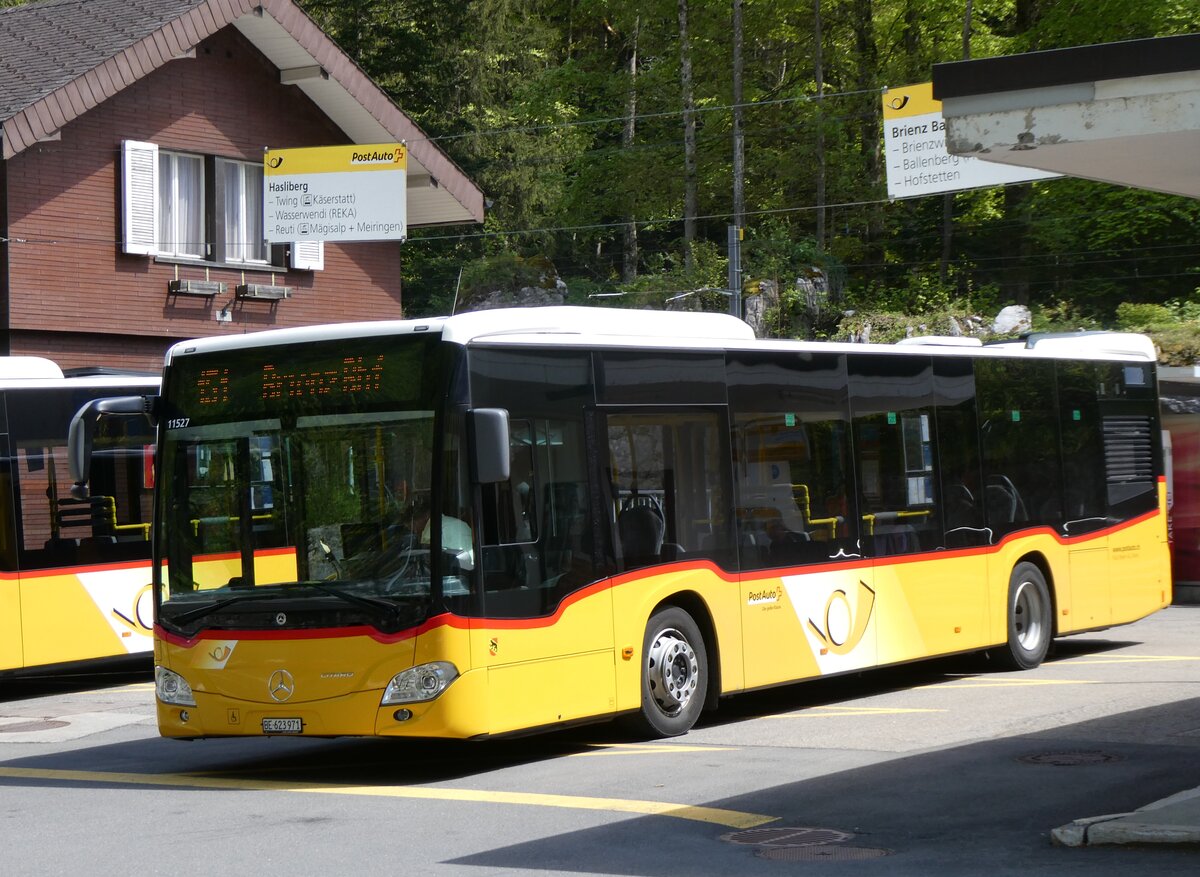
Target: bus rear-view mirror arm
x=83, y=425
x=490, y=459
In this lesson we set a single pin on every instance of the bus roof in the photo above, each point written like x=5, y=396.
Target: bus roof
x=28, y=368
x=39, y=372
x=609, y=327
x=607, y=323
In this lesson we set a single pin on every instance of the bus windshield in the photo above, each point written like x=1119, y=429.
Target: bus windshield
x=299, y=483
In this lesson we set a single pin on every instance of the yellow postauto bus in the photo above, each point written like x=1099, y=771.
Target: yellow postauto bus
x=511, y=520
x=74, y=574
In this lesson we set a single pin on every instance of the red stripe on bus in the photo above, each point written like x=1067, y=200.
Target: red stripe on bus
x=13, y=575
x=447, y=619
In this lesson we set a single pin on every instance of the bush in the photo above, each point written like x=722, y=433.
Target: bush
x=1136, y=317
x=506, y=272
x=1179, y=345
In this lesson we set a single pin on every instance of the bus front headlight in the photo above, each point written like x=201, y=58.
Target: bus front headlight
x=424, y=682
x=170, y=687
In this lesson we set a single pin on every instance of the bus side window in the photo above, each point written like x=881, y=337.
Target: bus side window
x=791, y=422
x=891, y=398
x=668, y=482
x=510, y=515
x=958, y=454
x=538, y=531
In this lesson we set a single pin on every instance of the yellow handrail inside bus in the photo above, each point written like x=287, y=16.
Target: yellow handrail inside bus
x=870, y=520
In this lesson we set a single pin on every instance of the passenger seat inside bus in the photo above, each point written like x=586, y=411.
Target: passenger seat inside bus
x=641, y=530
x=1004, y=505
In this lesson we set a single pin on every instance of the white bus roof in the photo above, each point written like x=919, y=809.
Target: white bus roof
x=28, y=368
x=570, y=326
x=39, y=372
x=607, y=323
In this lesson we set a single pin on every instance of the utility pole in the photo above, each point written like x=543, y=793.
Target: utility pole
x=735, y=270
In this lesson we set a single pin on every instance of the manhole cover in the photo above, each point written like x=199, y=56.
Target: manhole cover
x=1070, y=759
x=834, y=853
x=788, y=837
x=35, y=725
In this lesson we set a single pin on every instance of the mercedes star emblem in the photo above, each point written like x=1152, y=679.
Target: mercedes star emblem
x=281, y=685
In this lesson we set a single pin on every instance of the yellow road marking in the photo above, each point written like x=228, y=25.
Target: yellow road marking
x=644, y=749
x=827, y=712
x=1015, y=683
x=1131, y=659
x=714, y=815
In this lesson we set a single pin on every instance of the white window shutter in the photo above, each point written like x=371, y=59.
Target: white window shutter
x=308, y=255
x=139, y=196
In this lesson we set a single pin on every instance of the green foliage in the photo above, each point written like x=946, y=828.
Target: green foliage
x=1144, y=317
x=1065, y=316
x=888, y=327
x=508, y=272
x=530, y=98
x=1178, y=345
x=1174, y=327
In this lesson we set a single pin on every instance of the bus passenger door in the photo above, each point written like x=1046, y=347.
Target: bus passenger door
x=917, y=471
x=1088, y=597
x=546, y=632
x=807, y=590
x=667, y=503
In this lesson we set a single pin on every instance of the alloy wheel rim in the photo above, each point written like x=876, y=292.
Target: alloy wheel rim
x=673, y=671
x=1028, y=615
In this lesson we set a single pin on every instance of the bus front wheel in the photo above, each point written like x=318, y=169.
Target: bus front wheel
x=1030, y=624
x=674, y=674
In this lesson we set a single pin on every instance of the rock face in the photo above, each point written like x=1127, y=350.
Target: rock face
x=1012, y=319
x=756, y=305
x=525, y=297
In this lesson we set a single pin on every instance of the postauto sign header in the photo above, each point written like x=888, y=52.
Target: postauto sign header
x=336, y=193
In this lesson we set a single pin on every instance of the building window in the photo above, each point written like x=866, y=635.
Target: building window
x=188, y=206
x=181, y=205
x=242, y=212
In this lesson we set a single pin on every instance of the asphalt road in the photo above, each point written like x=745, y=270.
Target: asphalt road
x=941, y=768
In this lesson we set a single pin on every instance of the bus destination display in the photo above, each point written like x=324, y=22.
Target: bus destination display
x=351, y=376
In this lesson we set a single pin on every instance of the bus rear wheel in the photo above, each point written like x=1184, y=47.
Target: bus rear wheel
x=1030, y=625
x=674, y=675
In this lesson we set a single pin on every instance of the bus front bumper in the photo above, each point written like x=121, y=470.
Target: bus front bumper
x=460, y=712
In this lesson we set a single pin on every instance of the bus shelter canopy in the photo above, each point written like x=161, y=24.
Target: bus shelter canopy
x=1126, y=113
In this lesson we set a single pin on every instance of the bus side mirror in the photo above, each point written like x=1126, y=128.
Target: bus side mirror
x=83, y=426
x=490, y=458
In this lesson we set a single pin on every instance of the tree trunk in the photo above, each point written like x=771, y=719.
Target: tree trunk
x=819, y=76
x=689, y=139
x=629, y=260
x=870, y=134
x=948, y=198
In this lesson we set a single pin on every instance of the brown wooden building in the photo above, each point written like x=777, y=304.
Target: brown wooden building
x=194, y=90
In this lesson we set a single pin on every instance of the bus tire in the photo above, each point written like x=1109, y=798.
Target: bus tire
x=674, y=675
x=1030, y=621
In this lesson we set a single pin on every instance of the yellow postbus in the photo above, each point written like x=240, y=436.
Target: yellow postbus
x=520, y=519
x=74, y=574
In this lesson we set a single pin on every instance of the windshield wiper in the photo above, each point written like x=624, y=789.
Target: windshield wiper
x=390, y=610
x=370, y=602
x=201, y=611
